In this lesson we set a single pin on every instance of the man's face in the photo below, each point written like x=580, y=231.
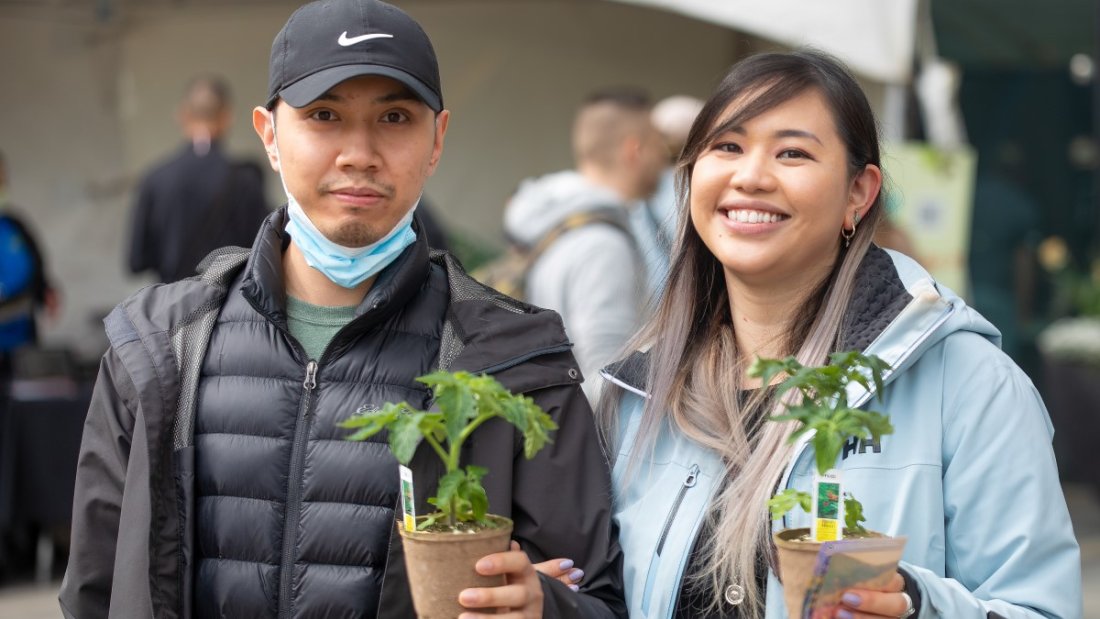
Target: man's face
x=357, y=158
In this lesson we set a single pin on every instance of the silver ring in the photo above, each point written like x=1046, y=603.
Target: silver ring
x=909, y=610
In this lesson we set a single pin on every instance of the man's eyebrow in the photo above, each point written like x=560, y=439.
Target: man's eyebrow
x=404, y=94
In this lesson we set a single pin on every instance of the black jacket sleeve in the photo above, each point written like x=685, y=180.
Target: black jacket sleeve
x=101, y=473
x=562, y=508
x=142, y=254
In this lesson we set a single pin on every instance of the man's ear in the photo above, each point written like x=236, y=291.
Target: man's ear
x=263, y=121
x=442, y=119
x=630, y=151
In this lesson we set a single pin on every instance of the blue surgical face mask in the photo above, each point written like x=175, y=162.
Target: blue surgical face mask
x=345, y=266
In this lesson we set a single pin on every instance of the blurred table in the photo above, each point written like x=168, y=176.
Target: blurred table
x=40, y=430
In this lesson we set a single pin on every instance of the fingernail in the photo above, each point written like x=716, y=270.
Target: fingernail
x=576, y=575
x=843, y=614
x=566, y=564
x=851, y=599
x=575, y=587
x=483, y=565
x=468, y=597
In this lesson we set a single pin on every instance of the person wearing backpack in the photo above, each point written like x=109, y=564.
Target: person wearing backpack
x=214, y=480
x=584, y=260
x=24, y=288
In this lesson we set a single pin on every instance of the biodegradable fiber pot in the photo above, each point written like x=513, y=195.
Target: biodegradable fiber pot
x=441, y=564
x=797, y=559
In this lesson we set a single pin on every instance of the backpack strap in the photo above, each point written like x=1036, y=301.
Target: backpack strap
x=572, y=222
x=192, y=335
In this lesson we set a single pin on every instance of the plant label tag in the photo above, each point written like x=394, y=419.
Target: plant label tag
x=828, y=507
x=408, y=501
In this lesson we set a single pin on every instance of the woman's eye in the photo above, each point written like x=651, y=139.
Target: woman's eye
x=792, y=153
x=727, y=147
x=394, y=117
x=323, y=115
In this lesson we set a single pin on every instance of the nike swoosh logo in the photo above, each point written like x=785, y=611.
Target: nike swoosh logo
x=345, y=41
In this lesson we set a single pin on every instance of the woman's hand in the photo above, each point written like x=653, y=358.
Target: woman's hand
x=521, y=595
x=562, y=570
x=890, y=601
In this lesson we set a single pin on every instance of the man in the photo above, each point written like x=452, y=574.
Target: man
x=592, y=273
x=199, y=199
x=24, y=288
x=240, y=498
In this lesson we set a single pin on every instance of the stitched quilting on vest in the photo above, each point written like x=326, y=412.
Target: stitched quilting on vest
x=286, y=509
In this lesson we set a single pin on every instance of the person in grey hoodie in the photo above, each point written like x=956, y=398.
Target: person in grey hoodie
x=592, y=274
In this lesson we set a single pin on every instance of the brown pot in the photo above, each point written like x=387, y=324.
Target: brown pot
x=797, y=560
x=441, y=565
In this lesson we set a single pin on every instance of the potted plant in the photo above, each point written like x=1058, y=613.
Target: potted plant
x=824, y=410
x=441, y=548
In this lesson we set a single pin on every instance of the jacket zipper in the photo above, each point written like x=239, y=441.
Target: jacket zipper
x=689, y=482
x=294, y=490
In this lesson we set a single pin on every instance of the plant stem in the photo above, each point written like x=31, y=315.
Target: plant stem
x=438, y=450
x=451, y=459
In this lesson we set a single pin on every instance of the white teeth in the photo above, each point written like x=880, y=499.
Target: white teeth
x=752, y=217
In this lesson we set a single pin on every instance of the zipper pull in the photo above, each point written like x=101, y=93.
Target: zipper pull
x=693, y=476
x=311, y=376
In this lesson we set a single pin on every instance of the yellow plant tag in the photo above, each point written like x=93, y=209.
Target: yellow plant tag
x=828, y=507
x=408, y=498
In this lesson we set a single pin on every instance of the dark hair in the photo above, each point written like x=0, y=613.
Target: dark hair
x=206, y=96
x=762, y=82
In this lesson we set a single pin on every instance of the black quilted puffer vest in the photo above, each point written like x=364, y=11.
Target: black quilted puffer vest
x=292, y=520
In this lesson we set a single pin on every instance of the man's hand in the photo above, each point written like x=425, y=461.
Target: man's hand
x=521, y=595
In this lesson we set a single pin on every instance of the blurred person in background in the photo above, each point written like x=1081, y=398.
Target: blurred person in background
x=592, y=273
x=198, y=199
x=214, y=479
x=654, y=222
x=25, y=290
x=24, y=286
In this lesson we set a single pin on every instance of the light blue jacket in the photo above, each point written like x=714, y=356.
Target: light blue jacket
x=968, y=476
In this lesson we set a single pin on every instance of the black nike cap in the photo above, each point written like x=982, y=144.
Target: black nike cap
x=329, y=41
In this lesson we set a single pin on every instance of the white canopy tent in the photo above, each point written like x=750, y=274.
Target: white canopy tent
x=874, y=37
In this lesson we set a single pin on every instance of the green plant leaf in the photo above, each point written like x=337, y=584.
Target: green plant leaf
x=853, y=514
x=447, y=492
x=827, y=446
x=464, y=402
x=372, y=422
x=786, y=500
x=455, y=399
x=474, y=495
x=405, y=436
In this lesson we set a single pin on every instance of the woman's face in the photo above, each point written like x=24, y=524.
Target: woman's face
x=770, y=198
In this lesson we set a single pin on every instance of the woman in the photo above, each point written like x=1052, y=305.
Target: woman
x=782, y=180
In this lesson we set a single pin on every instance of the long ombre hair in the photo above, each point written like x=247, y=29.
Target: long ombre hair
x=695, y=369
